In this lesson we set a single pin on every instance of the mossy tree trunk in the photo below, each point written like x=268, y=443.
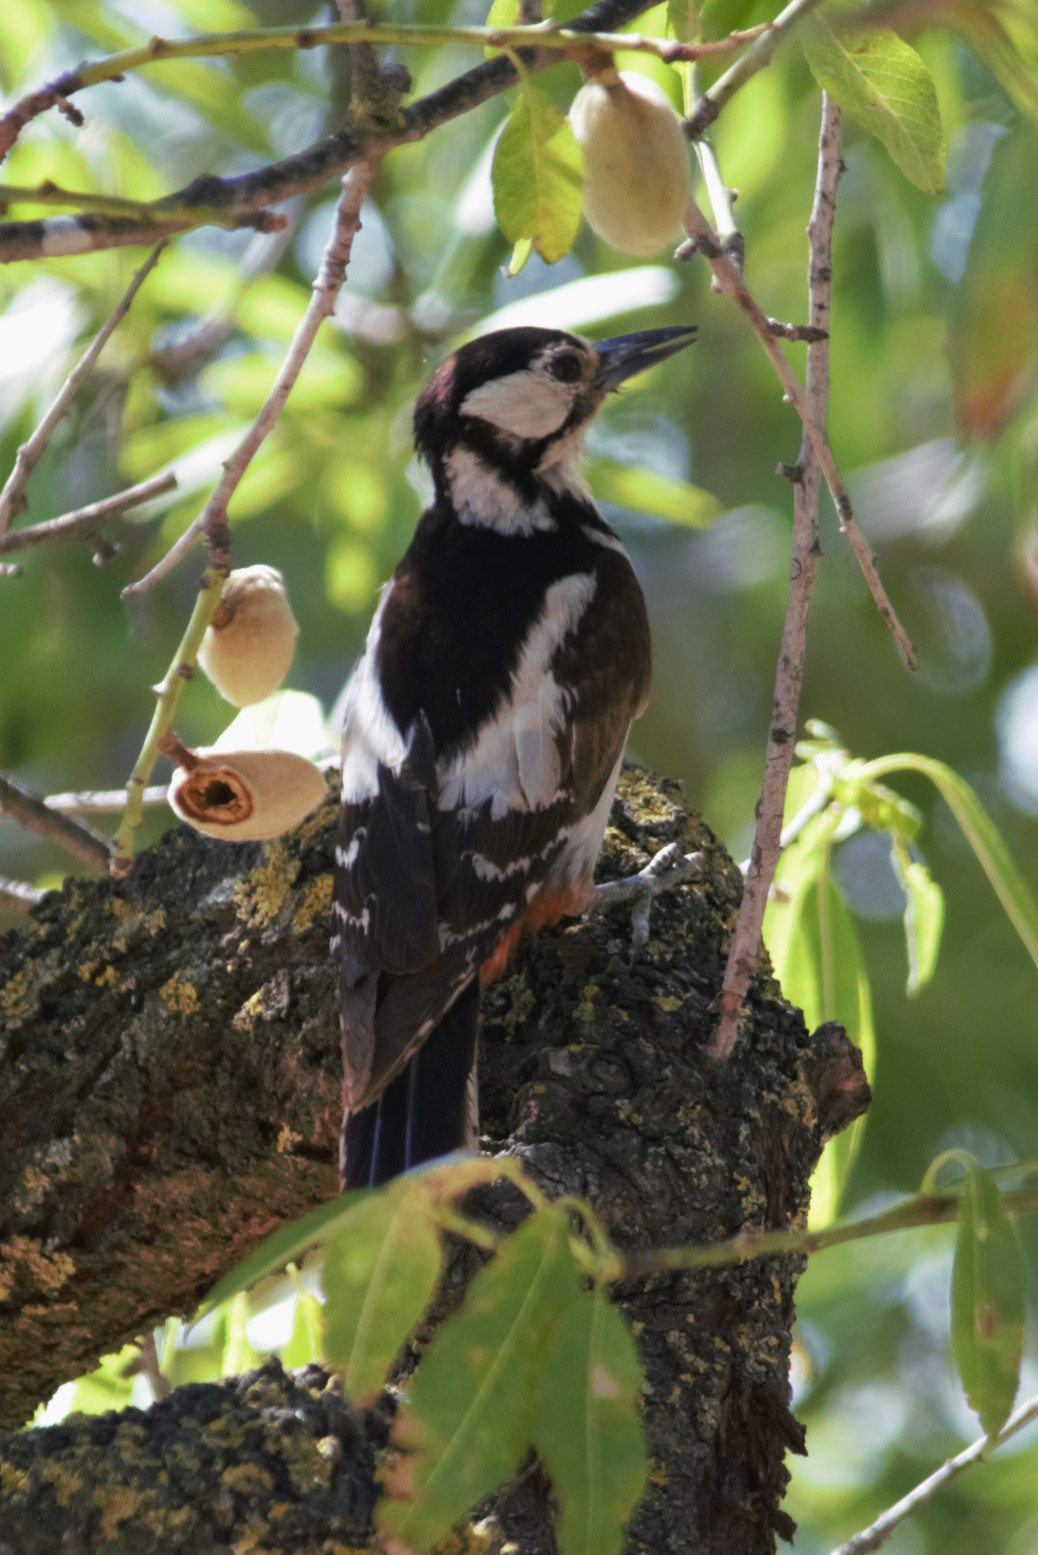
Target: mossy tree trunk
x=169, y=1094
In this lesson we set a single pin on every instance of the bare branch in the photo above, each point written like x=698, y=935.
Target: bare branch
x=746, y=66
x=212, y=522
x=877, y=1533
x=82, y=524
x=309, y=169
x=329, y=278
x=32, y=812
x=789, y=672
x=729, y=280
x=100, y=800
x=12, y=498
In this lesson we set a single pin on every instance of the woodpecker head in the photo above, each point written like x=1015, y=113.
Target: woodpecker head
x=514, y=405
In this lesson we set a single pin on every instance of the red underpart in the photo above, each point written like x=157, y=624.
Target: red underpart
x=545, y=910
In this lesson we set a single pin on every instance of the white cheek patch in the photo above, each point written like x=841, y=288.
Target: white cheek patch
x=526, y=404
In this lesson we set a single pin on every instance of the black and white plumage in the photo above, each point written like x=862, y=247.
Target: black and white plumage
x=484, y=728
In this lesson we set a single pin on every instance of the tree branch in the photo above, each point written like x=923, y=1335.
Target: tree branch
x=176, y=1097
x=745, y=67
x=729, y=280
x=303, y=171
x=877, y=1533
x=82, y=524
x=789, y=672
x=12, y=497
x=32, y=812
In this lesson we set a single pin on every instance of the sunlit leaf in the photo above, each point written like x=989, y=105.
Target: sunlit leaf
x=537, y=176
x=683, y=20
x=380, y=1271
x=1006, y=38
x=287, y=1245
x=109, y=1386
x=987, y=1300
x=305, y=1343
x=923, y=918
x=467, y=1422
x=587, y=1424
x=981, y=834
x=658, y=496
x=883, y=84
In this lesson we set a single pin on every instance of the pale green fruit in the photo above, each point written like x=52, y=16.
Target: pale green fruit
x=636, y=174
x=246, y=796
x=248, y=647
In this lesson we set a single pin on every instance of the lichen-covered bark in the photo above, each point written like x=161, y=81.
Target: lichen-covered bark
x=170, y=1093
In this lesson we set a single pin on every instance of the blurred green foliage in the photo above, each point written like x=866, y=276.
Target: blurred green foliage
x=934, y=414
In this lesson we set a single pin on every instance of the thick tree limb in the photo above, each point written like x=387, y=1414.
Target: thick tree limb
x=170, y=1094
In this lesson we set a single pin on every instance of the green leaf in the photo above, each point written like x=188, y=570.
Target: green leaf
x=467, y=1424
x=380, y=1272
x=587, y=1425
x=1006, y=38
x=987, y=1300
x=683, y=20
x=883, y=84
x=305, y=1342
x=110, y=1386
x=924, y=915
x=659, y=496
x=537, y=176
x=287, y=1245
x=520, y=254
x=981, y=834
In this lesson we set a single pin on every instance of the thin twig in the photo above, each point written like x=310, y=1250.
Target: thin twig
x=746, y=67
x=12, y=498
x=148, y=1366
x=718, y=193
x=84, y=521
x=32, y=812
x=877, y=1533
x=923, y=1210
x=789, y=672
x=329, y=278
x=212, y=521
x=97, y=801
x=729, y=281
x=17, y=898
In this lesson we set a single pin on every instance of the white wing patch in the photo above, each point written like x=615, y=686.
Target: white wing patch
x=370, y=736
x=515, y=761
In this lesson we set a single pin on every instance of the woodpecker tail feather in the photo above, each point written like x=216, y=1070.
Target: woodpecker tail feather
x=427, y=1111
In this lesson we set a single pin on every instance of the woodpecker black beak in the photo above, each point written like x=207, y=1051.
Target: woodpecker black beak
x=625, y=355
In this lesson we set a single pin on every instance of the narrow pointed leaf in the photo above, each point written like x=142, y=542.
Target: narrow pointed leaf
x=286, y=1245
x=923, y=918
x=466, y=1426
x=987, y=1301
x=587, y=1426
x=380, y=1271
x=983, y=837
x=537, y=177
x=883, y=84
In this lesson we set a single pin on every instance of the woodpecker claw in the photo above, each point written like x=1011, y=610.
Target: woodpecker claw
x=665, y=870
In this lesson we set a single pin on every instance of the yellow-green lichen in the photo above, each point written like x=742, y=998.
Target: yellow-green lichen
x=23, y=1257
x=14, y=995
x=316, y=903
x=265, y=890
x=179, y=996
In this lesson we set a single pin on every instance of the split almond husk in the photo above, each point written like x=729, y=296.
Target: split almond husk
x=246, y=796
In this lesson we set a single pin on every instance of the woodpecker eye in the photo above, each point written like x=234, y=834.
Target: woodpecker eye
x=567, y=367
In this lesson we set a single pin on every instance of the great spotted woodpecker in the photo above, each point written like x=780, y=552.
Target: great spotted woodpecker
x=484, y=729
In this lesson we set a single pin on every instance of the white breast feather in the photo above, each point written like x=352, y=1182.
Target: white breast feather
x=481, y=497
x=515, y=761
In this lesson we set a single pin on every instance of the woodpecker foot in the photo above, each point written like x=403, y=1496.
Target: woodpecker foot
x=665, y=870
